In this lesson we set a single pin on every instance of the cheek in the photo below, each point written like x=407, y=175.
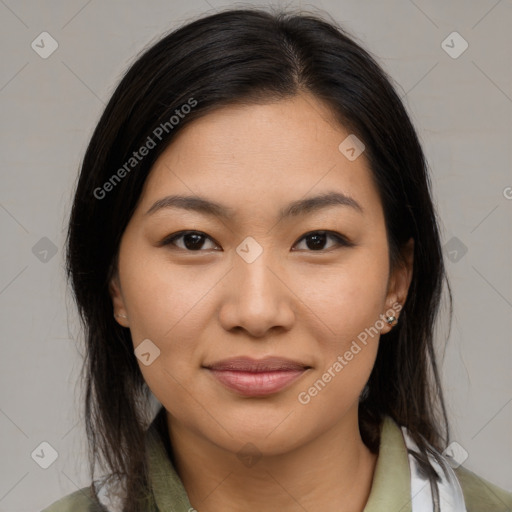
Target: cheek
x=347, y=342
x=349, y=299
x=171, y=307
x=348, y=304
x=166, y=308
x=163, y=299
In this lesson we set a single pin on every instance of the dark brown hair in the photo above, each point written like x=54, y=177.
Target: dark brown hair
x=244, y=56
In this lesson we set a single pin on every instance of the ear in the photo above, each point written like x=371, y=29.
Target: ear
x=115, y=292
x=398, y=284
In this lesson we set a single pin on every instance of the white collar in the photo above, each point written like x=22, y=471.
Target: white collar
x=423, y=498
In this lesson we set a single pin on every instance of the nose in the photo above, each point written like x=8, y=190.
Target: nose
x=258, y=298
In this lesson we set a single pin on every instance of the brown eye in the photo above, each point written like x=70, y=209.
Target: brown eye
x=316, y=240
x=192, y=240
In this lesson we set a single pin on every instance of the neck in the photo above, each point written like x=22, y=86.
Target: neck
x=333, y=472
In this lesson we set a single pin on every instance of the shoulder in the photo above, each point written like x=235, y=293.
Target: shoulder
x=480, y=494
x=78, y=501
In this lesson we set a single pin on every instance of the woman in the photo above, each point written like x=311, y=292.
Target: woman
x=253, y=242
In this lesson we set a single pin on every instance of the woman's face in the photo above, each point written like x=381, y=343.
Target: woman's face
x=255, y=279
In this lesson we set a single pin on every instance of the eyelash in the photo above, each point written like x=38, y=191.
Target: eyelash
x=340, y=240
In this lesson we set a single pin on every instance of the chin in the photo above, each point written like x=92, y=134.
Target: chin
x=263, y=437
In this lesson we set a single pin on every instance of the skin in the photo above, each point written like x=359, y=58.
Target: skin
x=294, y=300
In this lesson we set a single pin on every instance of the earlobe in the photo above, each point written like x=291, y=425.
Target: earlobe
x=399, y=286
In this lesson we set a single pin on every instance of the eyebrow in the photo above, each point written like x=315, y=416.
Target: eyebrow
x=293, y=209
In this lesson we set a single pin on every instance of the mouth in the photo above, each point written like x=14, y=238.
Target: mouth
x=257, y=377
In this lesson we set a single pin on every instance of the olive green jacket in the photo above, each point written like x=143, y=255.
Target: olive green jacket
x=390, y=491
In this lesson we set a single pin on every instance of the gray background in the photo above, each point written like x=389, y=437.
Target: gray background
x=462, y=108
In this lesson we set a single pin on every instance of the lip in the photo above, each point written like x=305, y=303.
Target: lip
x=257, y=377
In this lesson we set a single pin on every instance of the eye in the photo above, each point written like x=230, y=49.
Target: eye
x=316, y=240
x=194, y=240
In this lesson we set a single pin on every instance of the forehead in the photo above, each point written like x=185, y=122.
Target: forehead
x=264, y=155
